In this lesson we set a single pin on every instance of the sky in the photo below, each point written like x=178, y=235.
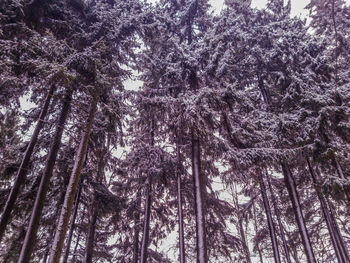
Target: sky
x=297, y=6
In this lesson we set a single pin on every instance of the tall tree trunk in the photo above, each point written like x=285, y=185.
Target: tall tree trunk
x=72, y=223
x=136, y=229
x=293, y=194
x=76, y=247
x=256, y=231
x=277, y=213
x=22, y=170
x=146, y=221
x=179, y=202
x=29, y=240
x=325, y=212
x=199, y=189
x=272, y=230
x=91, y=234
x=339, y=238
x=72, y=188
x=148, y=206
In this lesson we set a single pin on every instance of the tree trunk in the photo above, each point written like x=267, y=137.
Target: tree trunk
x=22, y=170
x=29, y=241
x=256, y=231
x=91, y=234
x=72, y=188
x=76, y=247
x=199, y=189
x=293, y=194
x=277, y=213
x=338, y=237
x=148, y=206
x=179, y=203
x=136, y=229
x=272, y=230
x=72, y=224
x=146, y=221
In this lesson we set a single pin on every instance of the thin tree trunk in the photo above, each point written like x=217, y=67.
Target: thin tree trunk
x=256, y=230
x=277, y=213
x=72, y=224
x=325, y=213
x=272, y=230
x=136, y=229
x=179, y=202
x=148, y=206
x=339, y=238
x=199, y=189
x=91, y=234
x=29, y=240
x=293, y=194
x=72, y=188
x=22, y=170
x=76, y=247
x=146, y=221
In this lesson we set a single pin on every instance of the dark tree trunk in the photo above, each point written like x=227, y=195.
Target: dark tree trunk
x=256, y=231
x=136, y=229
x=72, y=188
x=146, y=221
x=277, y=213
x=148, y=207
x=179, y=203
x=272, y=230
x=293, y=194
x=199, y=190
x=29, y=241
x=22, y=170
x=91, y=234
x=72, y=224
x=76, y=247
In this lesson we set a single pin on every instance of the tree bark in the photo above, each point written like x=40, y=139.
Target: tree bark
x=272, y=230
x=72, y=188
x=146, y=221
x=29, y=240
x=136, y=229
x=199, y=189
x=22, y=170
x=91, y=234
x=293, y=194
x=72, y=224
x=256, y=231
x=277, y=213
x=179, y=202
x=148, y=206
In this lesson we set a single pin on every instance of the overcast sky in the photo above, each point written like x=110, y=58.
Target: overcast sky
x=297, y=5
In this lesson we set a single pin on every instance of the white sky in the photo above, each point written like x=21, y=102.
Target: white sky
x=297, y=6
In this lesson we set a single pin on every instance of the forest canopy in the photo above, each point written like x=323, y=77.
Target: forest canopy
x=234, y=145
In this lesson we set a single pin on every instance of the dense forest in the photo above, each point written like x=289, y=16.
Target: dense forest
x=231, y=145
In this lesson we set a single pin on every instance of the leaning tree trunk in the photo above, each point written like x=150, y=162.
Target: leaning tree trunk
x=293, y=194
x=270, y=223
x=179, y=202
x=72, y=188
x=22, y=170
x=29, y=241
x=199, y=188
x=72, y=224
x=338, y=237
x=277, y=212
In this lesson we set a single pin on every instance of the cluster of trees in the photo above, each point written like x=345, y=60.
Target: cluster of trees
x=256, y=100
